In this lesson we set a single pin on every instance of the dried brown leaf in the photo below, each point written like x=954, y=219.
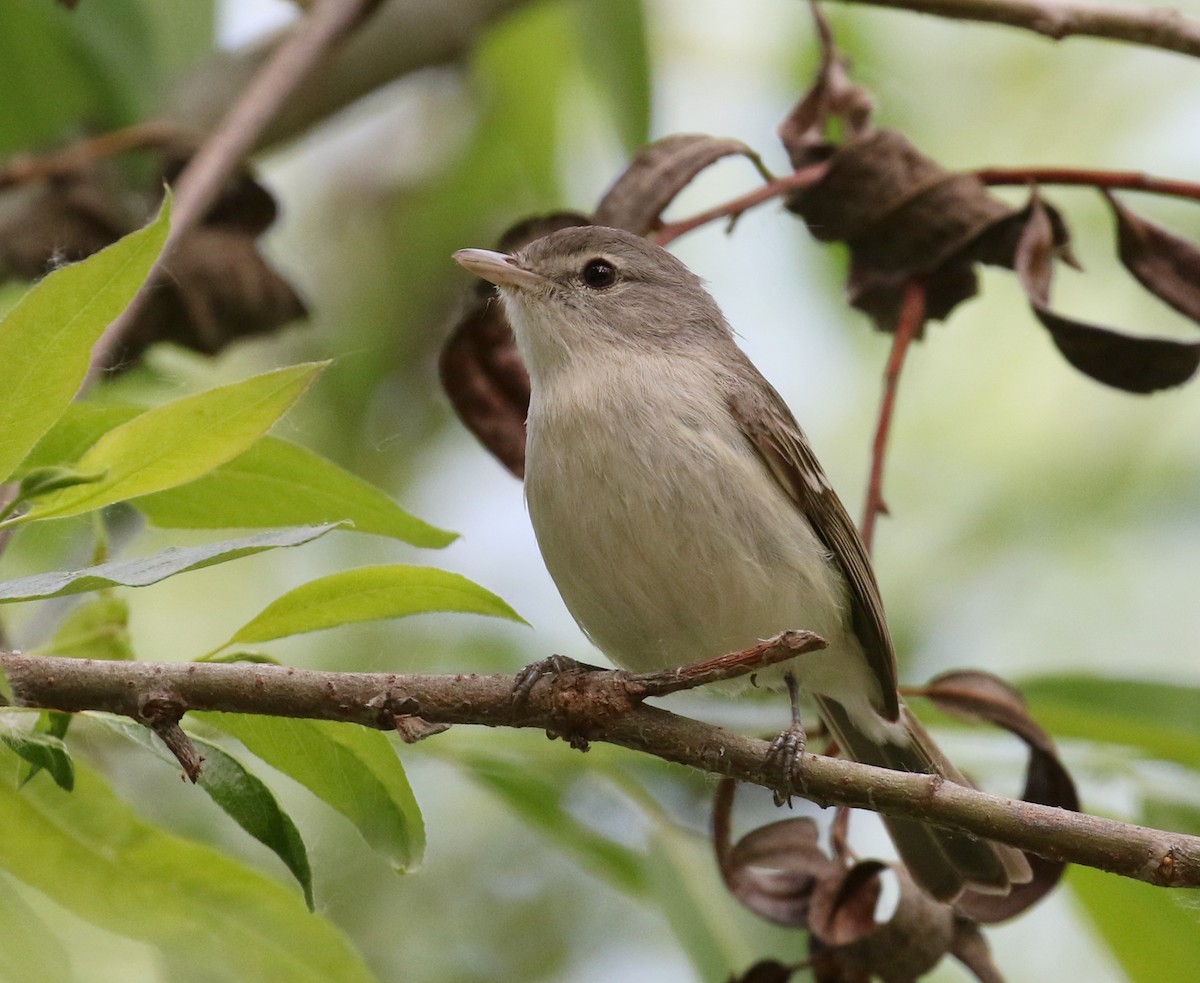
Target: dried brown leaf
x=1165, y=264
x=971, y=949
x=481, y=370
x=637, y=199
x=773, y=871
x=63, y=221
x=902, y=949
x=804, y=133
x=765, y=971
x=981, y=696
x=1135, y=364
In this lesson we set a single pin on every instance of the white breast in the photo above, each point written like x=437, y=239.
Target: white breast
x=666, y=535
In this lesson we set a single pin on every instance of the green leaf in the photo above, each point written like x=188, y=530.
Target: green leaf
x=50, y=722
x=145, y=570
x=90, y=853
x=177, y=443
x=276, y=483
x=41, y=750
x=77, y=429
x=1161, y=720
x=241, y=655
x=46, y=340
x=353, y=769
x=367, y=594
x=1151, y=931
x=241, y=795
x=96, y=629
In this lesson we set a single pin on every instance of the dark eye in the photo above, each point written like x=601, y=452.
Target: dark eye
x=599, y=273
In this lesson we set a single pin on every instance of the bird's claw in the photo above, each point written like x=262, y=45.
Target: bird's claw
x=527, y=678
x=785, y=761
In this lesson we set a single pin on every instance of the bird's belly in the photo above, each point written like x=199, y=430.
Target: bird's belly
x=673, y=560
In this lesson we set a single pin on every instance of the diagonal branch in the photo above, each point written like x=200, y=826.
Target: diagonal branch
x=598, y=703
x=1154, y=27
x=224, y=151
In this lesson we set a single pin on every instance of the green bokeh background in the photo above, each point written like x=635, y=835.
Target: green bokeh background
x=1041, y=525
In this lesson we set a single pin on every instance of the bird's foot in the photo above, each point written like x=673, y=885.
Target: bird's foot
x=554, y=665
x=785, y=762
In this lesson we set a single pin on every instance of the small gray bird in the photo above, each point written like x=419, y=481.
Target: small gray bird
x=683, y=515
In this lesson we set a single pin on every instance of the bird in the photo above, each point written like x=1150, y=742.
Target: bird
x=682, y=513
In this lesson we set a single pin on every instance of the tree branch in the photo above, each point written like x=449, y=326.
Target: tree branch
x=598, y=705
x=1154, y=27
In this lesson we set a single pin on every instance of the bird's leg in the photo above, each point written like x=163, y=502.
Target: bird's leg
x=554, y=665
x=786, y=754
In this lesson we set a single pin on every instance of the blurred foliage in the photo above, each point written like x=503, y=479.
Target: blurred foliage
x=1043, y=527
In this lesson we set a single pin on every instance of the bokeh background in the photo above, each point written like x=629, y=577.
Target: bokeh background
x=1041, y=524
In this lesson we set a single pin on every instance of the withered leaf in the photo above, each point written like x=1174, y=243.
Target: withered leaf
x=977, y=695
x=904, y=216
x=1163, y=263
x=831, y=96
x=765, y=971
x=480, y=368
x=774, y=869
x=662, y=169
x=971, y=949
x=902, y=949
x=64, y=221
x=1135, y=364
x=215, y=288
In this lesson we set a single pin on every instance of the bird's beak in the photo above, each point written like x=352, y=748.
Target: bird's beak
x=498, y=268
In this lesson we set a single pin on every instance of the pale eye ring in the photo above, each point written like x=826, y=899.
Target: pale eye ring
x=599, y=273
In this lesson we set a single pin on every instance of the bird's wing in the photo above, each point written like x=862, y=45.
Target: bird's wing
x=770, y=427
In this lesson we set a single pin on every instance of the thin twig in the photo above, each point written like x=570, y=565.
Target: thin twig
x=69, y=160
x=1129, y=180
x=1154, y=27
x=235, y=136
x=804, y=178
x=911, y=321
x=1155, y=856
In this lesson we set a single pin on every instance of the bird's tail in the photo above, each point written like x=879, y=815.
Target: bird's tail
x=943, y=861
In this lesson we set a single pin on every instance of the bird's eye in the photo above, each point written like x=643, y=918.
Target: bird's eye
x=599, y=273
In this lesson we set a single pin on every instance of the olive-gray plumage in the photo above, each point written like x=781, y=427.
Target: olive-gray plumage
x=683, y=515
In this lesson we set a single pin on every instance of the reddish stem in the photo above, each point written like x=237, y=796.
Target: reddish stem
x=775, y=188
x=1130, y=180
x=912, y=319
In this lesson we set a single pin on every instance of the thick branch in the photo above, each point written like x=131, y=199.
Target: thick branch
x=1155, y=27
x=598, y=704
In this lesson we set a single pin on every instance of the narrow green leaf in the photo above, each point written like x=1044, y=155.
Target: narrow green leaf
x=42, y=481
x=276, y=483
x=1161, y=720
x=77, y=429
x=50, y=722
x=241, y=655
x=1151, y=931
x=240, y=793
x=367, y=594
x=90, y=853
x=353, y=769
x=96, y=629
x=144, y=570
x=41, y=751
x=46, y=340
x=177, y=443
